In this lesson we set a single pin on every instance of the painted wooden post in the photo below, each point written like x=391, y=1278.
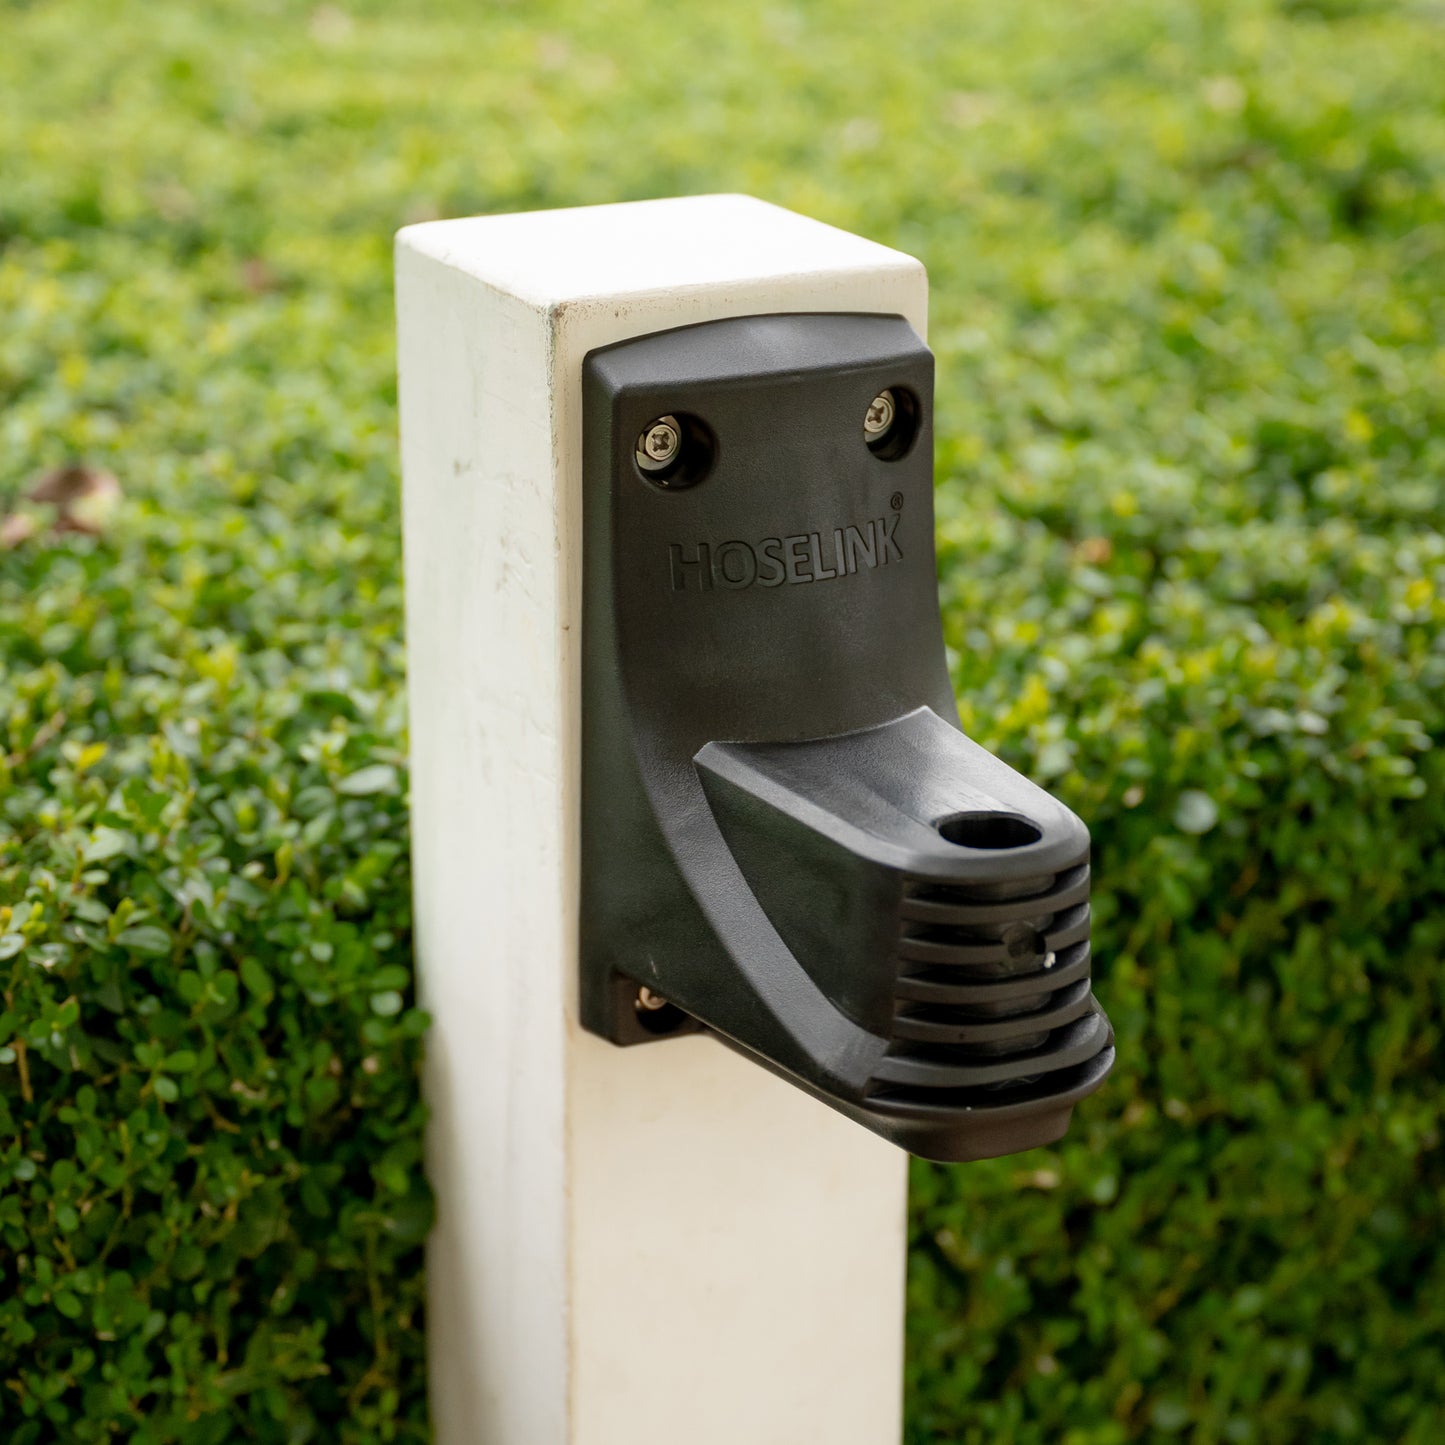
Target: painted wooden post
x=634, y=1246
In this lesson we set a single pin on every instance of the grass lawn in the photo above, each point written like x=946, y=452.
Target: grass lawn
x=1188, y=270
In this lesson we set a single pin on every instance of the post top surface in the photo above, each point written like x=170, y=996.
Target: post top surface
x=548, y=258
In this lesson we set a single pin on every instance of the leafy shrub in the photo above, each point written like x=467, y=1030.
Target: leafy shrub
x=209, y=1155
x=1187, y=267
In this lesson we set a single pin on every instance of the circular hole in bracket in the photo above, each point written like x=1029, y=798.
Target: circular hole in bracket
x=994, y=831
x=890, y=423
x=675, y=450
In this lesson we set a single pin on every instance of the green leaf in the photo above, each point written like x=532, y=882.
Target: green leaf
x=378, y=778
x=257, y=980
x=146, y=938
x=106, y=843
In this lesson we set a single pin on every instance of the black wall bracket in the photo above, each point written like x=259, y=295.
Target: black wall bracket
x=786, y=837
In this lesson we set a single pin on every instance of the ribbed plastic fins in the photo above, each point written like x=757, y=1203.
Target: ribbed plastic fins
x=993, y=1005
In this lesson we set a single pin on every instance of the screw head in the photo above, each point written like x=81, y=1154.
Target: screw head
x=649, y=1002
x=659, y=444
x=879, y=416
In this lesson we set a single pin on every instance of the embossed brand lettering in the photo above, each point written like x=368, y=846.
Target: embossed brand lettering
x=776, y=561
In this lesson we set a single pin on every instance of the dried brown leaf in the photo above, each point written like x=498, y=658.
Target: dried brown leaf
x=84, y=497
x=67, y=484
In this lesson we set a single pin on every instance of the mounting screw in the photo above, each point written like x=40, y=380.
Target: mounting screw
x=649, y=1002
x=879, y=416
x=658, y=446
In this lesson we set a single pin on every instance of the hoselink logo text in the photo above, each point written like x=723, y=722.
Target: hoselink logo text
x=779, y=561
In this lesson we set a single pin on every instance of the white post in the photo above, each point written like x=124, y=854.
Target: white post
x=639, y=1246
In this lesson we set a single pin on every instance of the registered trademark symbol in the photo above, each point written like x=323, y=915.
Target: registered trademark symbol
x=896, y=501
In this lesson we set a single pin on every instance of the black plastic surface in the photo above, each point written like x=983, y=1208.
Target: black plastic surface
x=785, y=833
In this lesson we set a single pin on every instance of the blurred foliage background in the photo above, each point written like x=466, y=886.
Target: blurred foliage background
x=1188, y=267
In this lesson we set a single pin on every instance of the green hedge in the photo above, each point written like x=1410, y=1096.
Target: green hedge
x=1189, y=294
